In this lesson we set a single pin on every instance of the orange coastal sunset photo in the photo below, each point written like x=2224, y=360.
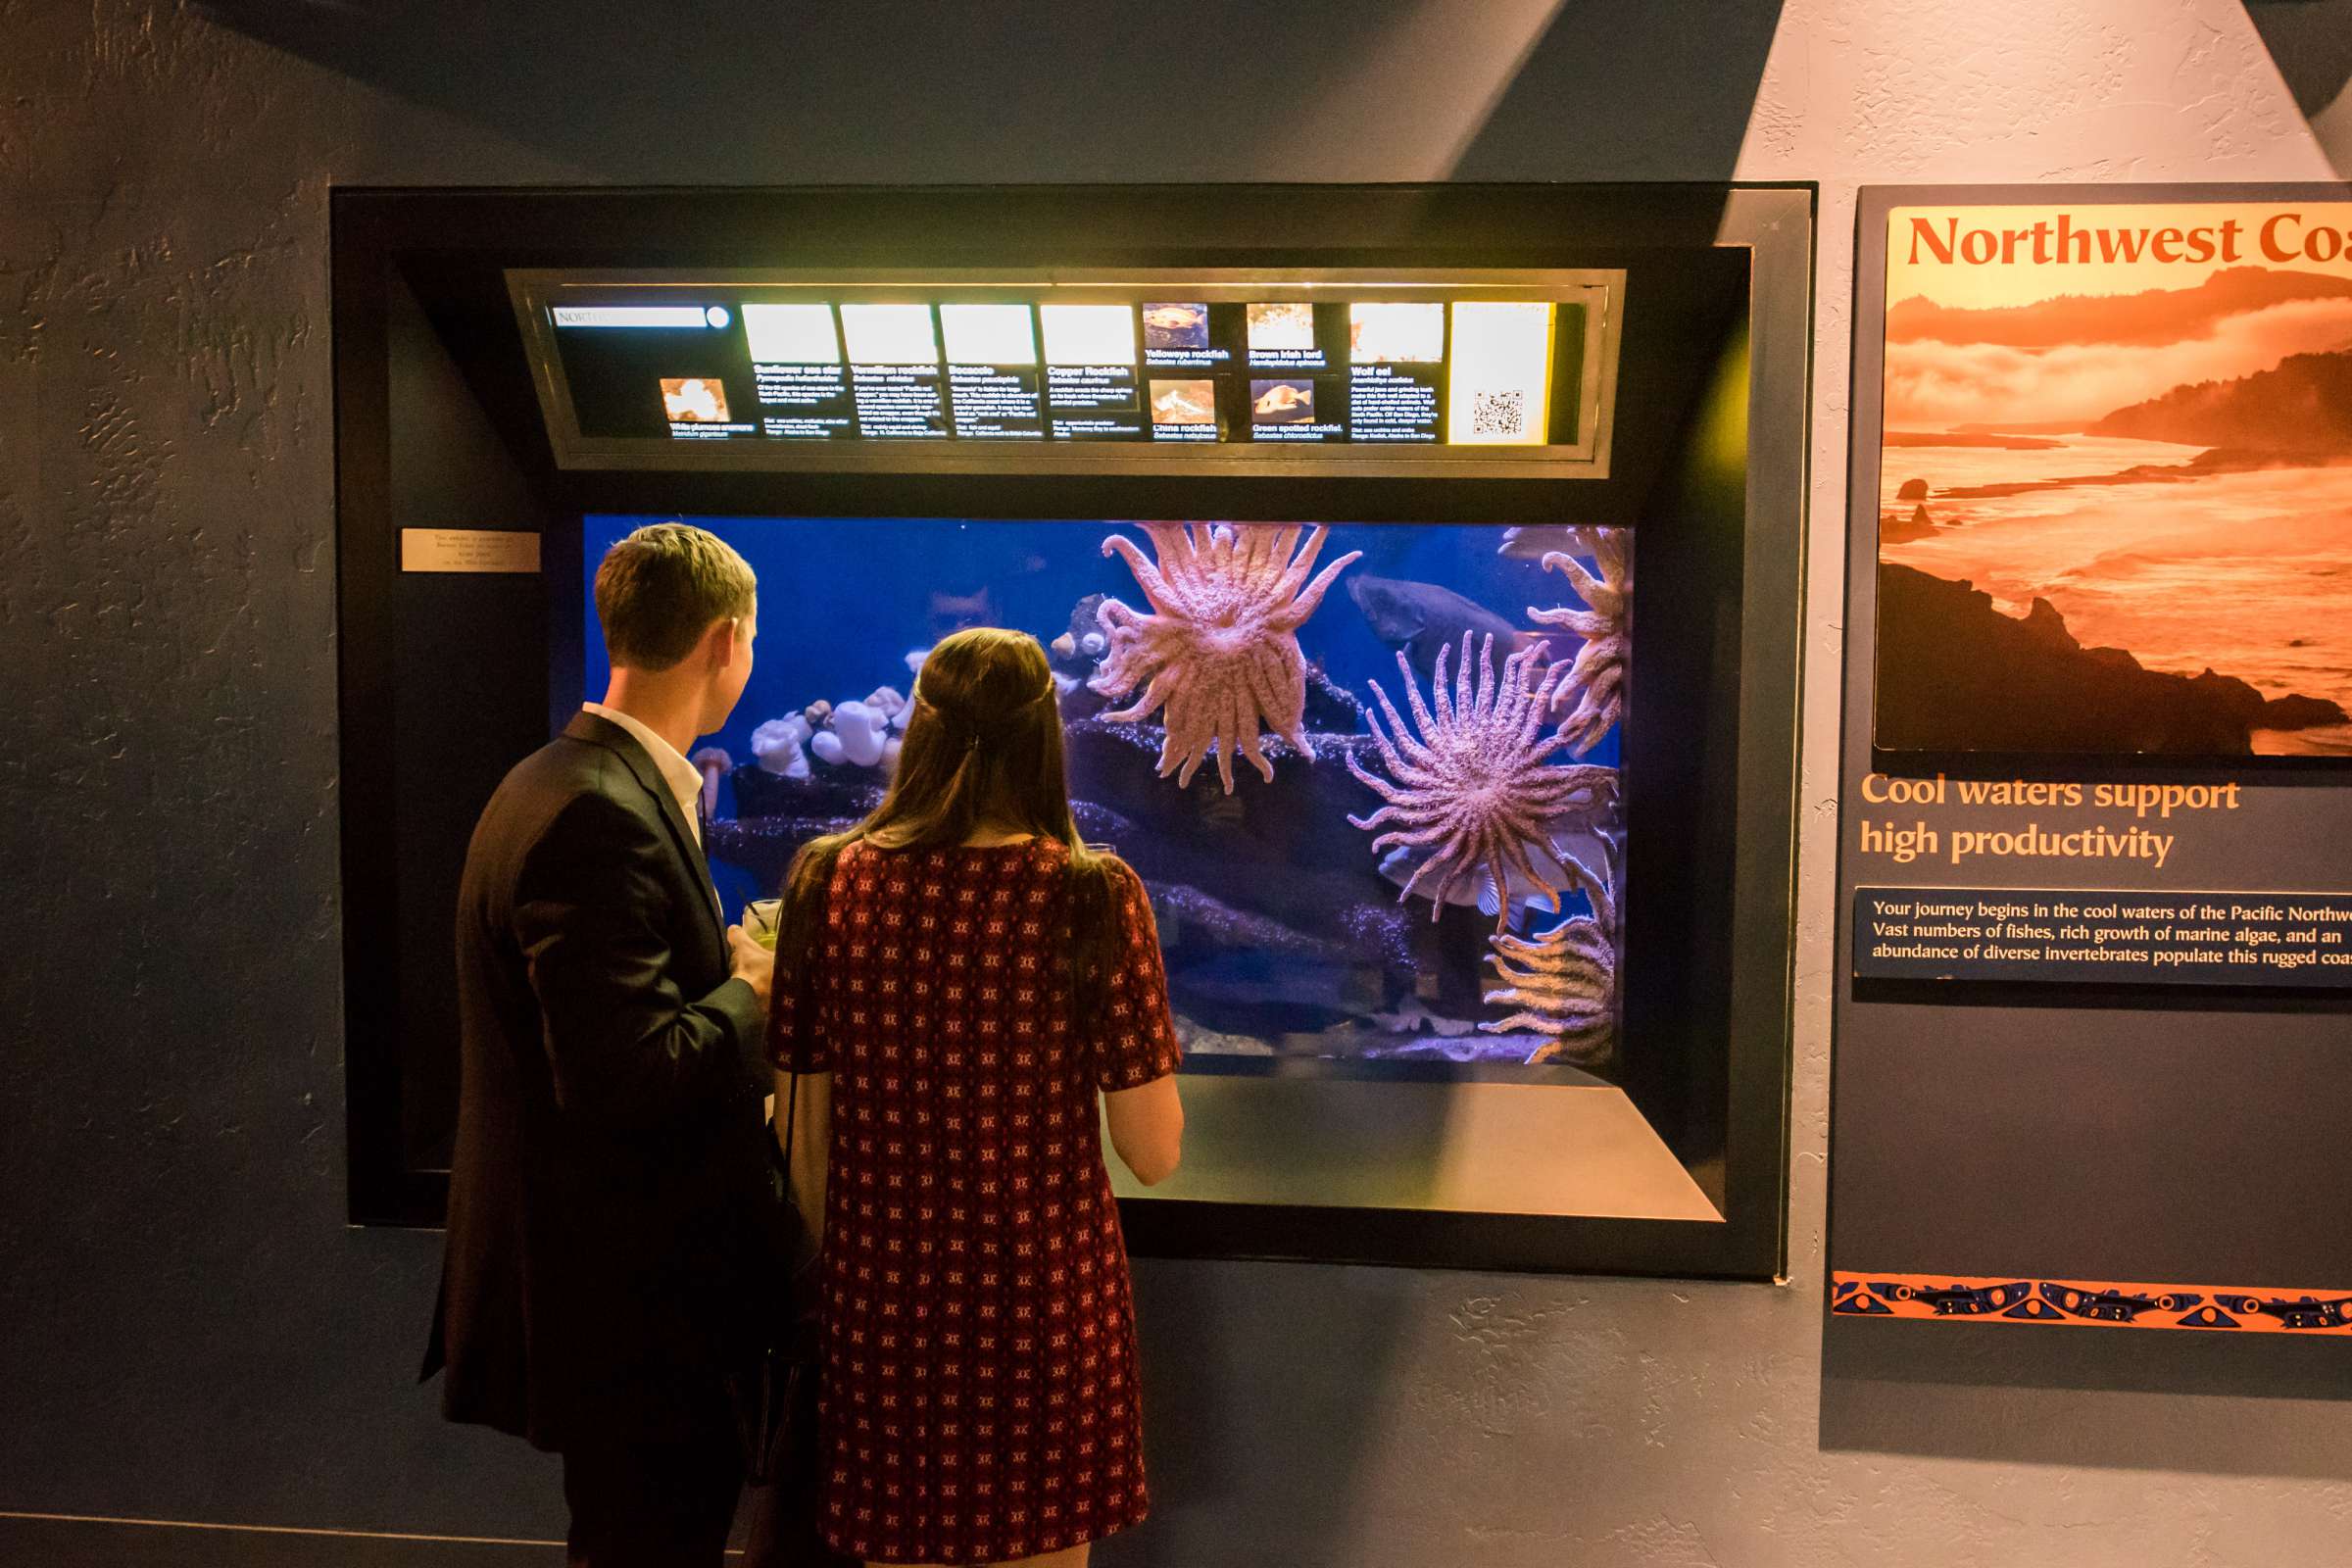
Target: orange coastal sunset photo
x=2115, y=483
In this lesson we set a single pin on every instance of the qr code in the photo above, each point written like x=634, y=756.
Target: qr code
x=1499, y=412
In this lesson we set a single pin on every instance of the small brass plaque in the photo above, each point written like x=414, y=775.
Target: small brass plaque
x=467, y=549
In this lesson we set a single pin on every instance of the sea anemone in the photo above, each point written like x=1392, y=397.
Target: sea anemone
x=776, y=745
x=714, y=762
x=857, y=735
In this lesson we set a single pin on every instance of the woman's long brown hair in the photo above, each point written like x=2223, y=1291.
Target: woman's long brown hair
x=982, y=749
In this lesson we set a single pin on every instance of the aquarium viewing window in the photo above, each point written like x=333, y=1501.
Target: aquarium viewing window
x=1494, y=374
x=1387, y=883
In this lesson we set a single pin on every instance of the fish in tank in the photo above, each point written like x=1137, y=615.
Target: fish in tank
x=1370, y=774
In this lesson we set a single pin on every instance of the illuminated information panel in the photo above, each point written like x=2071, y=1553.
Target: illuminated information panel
x=1265, y=371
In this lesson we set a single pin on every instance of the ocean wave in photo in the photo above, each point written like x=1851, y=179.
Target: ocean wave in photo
x=2248, y=573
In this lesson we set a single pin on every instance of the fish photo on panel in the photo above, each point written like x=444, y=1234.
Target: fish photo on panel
x=1281, y=402
x=1175, y=326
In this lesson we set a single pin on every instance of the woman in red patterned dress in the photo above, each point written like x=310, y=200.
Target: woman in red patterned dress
x=957, y=978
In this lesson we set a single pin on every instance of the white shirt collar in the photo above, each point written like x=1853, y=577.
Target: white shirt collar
x=685, y=780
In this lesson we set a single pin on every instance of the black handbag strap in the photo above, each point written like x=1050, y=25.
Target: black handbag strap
x=811, y=1236
x=792, y=1102
x=792, y=1128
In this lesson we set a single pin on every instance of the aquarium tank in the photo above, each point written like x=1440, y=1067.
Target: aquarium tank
x=1369, y=772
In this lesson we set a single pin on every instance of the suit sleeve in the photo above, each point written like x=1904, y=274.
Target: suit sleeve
x=625, y=1048
x=1135, y=1041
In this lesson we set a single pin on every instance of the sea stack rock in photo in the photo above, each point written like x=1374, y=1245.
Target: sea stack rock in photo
x=1957, y=675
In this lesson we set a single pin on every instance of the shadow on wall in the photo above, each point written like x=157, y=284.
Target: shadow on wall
x=1206, y=1336
x=2108, y=1397
x=1022, y=90
x=2311, y=44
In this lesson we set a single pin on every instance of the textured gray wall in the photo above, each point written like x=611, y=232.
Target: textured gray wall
x=187, y=1329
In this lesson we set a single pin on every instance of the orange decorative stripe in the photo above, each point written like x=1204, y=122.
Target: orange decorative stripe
x=2014, y=1298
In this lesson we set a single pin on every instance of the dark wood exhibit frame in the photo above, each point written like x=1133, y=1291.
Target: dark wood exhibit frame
x=445, y=677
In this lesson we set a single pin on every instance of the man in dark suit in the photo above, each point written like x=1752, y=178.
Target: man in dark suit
x=607, y=1260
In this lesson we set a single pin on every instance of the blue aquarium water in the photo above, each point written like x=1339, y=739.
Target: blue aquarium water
x=1282, y=922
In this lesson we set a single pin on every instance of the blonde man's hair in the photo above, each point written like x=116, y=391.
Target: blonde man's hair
x=659, y=589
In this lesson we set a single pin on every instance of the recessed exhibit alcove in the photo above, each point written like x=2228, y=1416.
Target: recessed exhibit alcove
x=1431, y=435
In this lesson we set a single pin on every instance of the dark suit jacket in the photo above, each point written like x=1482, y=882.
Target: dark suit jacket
x=609, y=1259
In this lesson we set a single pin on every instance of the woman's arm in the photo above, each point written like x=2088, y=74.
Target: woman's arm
x=1136, y=1051
x=1146, y=1128
x=811, y=1141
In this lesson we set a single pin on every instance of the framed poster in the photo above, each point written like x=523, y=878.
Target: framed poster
x=2094, y=1020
